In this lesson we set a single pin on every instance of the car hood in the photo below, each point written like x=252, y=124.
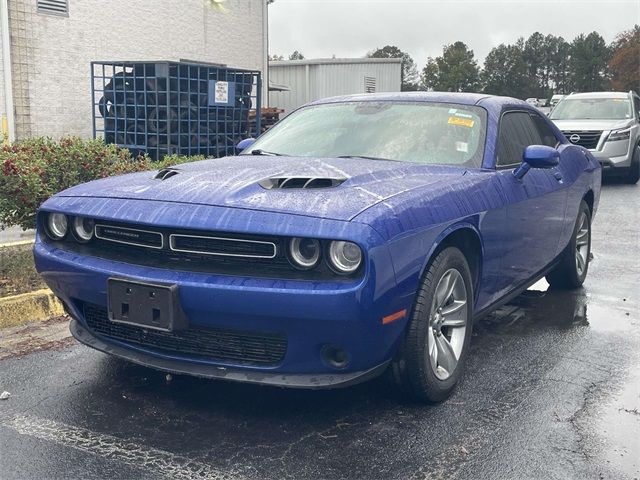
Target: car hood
x=600, y=125
x=240, y=182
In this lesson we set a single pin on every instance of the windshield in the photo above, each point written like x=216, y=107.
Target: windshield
x=412, y=132
x=592, y=108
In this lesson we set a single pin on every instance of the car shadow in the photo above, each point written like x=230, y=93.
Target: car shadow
x=609, y=179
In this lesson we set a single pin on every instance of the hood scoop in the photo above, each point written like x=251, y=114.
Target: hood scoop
x=166, y=173
x=276, y=183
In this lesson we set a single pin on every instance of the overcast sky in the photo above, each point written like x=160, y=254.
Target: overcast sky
x=351, y=28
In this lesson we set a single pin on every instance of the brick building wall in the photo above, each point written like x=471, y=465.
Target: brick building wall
x=51, y=54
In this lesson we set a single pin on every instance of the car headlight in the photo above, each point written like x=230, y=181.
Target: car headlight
x=83, y=229
x=619, y=135
x=57, y=225
x=304, y=252
x=344, y=257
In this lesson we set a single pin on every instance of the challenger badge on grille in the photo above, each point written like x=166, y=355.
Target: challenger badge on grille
x=130, y=236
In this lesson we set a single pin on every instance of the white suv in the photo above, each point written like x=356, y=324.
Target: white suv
x=606, y=123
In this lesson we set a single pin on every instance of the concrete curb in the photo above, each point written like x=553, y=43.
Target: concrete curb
x=17, y=243
x=29, y=307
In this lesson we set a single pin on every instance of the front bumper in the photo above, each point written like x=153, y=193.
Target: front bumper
x=306, y=381
x=613, y=155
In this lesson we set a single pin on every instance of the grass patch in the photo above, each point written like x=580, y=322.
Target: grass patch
x=17, y=271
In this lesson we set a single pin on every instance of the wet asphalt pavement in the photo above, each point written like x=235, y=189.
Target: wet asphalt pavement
x=551, y=391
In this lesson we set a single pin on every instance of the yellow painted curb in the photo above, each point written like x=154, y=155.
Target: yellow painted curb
x=17, y=243
x=29, y=307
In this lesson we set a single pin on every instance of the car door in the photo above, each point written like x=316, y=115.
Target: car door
x=535, y=204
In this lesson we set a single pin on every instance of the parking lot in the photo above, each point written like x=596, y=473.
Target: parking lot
x=552, y=390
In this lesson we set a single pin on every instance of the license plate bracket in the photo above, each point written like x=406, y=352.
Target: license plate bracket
x=147, y=305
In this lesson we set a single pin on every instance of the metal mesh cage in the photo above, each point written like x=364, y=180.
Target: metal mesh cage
x=162, y=108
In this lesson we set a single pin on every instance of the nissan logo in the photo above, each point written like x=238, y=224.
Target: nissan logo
x=575, y=138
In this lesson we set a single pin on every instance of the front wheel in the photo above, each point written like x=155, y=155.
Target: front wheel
x=633, y=175
x=430, y=360
x=574, y=264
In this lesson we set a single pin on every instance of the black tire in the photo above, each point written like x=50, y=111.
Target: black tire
x=568, y=274
x=633, y=175
x=411, y=369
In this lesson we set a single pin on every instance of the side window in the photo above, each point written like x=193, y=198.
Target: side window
x=517, y=131
x=546, y=134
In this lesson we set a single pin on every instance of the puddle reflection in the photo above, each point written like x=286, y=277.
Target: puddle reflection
x=539, y=308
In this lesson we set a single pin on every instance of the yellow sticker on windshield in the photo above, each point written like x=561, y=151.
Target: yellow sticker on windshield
x=464, y=122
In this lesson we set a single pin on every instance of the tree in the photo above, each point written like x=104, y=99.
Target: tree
x=506, y=72
x=275, y=58
x=430, y=75
x=534, y=54
x=455, y=71
x=408, y=74
x=588, y=63
x=625, y=60
x=296, y=55
x=559, y=72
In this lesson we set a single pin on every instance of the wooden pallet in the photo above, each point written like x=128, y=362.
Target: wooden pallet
x=268, y=117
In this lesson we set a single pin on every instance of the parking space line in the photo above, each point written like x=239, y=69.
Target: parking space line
x=113, y=448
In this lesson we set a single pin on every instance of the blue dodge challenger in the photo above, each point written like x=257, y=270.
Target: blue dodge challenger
x=361, y=234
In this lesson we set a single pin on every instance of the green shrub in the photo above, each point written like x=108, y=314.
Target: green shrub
x=37, y=168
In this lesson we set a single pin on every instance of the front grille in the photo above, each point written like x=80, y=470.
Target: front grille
x=224, y=253
x=584, y=138
x=230, y=247
x=249, y=348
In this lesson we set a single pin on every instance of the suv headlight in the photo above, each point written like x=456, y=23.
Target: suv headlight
x=56, y=225
x=619, y=135
x=344, y=257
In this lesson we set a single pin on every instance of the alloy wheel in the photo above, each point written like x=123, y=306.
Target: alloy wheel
x=447, y=324
x=582, y=244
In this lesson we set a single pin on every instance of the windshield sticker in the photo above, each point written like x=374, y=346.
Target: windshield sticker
x=464, y=122
x=462, y=147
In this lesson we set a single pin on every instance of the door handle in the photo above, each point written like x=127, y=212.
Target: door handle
x=557, y=176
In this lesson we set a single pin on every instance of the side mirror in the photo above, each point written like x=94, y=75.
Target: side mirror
x=537, y=156
x=246, y=143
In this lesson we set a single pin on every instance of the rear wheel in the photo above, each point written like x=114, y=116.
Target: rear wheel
x=430, y=360
x=572, y=269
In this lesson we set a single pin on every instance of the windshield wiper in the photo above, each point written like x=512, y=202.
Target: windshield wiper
x=366, y=157
x=257, y=151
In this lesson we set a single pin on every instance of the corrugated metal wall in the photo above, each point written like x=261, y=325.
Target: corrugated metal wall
x=311, y=80
x=294, y=77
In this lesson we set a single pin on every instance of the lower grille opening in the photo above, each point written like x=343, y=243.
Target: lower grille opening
x=249, y=348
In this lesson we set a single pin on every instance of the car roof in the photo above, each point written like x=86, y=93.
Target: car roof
x=435, y=97
x=599, y=95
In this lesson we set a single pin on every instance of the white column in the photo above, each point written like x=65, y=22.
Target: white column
x=6, y=65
